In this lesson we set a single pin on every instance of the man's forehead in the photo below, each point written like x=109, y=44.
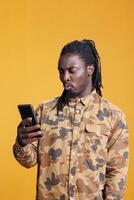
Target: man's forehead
x=70, y=60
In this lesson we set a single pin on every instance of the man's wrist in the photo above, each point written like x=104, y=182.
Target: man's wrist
x=20, y=143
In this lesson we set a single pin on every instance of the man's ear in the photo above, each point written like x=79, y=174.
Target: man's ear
x=90, y=70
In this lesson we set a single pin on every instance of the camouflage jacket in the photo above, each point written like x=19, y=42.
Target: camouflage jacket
x=83, y=154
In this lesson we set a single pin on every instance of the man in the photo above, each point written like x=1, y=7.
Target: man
x=81, y=141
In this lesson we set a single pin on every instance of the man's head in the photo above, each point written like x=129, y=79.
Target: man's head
x=79, y=68
x=75, y=75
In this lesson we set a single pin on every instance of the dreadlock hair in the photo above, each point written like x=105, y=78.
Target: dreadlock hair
x=87, y=51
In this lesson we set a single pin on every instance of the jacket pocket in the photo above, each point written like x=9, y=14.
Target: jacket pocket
x=95, y=139
x=95, y=149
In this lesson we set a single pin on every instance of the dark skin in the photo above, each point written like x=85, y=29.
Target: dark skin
x=76, y=78
x=26, y=133
x=75, y=75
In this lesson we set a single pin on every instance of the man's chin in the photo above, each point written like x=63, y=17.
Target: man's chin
x=71, y=94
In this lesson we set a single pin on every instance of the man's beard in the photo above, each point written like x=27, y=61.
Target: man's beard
x=71, y=94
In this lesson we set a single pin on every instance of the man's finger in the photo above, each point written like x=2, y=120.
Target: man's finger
x=32, y=135
x=33, y=128
x=24, y=122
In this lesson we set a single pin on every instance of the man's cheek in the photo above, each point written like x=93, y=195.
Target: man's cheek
x=75, y=87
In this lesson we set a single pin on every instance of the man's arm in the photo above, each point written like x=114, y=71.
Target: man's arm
x=26, y=145
x=117, y=163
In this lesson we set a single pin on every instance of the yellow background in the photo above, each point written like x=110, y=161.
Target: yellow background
x=32, y=34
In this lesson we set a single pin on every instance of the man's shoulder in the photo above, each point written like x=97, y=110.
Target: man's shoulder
x=111, y=107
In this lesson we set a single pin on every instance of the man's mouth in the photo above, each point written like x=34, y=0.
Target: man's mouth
x=67, y=86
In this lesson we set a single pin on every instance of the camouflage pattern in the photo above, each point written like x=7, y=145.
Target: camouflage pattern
x=83, y=154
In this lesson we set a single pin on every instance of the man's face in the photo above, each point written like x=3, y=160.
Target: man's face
x=75, y=75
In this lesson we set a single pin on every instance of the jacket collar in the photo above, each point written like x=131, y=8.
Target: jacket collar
x=86, y=100
x=92, y=97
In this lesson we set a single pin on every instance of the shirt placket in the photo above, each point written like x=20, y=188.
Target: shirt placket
x=73, y=151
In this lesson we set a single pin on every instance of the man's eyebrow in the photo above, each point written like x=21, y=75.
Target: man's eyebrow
x=75, y=66
x=68, y=67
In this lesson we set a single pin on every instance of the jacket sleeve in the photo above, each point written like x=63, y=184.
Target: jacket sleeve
x=27, y=155
x=117, y=162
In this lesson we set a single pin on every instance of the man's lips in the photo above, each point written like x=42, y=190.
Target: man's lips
x=67, y=86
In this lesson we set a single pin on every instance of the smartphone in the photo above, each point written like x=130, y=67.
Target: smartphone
x=27, y=110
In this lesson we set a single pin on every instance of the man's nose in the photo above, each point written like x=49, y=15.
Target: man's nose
x=66, y=76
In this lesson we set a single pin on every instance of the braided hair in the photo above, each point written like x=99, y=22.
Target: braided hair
x=87, y=52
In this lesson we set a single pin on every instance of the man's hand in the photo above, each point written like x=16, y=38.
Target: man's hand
x=27, y=133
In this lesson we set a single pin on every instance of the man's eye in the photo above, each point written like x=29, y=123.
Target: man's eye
x=72, y=70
